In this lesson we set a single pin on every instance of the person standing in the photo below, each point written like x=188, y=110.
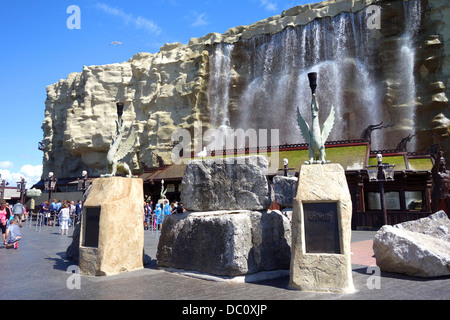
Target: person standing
x=146, y=216
x=78, y=210
x=63, y=219
x=72, y=209
x=18, y=210
x=43, y=214
x=5, y=214
x=151, y=213
x=159, y=217
x=58, y=207
x=180, y=208
x=166, y=209
x=52, y=213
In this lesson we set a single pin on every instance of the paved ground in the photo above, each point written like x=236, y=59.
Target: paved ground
x=38, y=270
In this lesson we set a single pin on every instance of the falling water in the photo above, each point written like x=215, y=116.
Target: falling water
x=273, y=76
x=413, y=13
x=219, y=84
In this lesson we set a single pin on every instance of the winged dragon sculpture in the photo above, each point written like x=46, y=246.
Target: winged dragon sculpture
x=314, y=136
x=119, y=149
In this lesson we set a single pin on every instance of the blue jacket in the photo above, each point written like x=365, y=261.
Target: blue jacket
x=158, y=214
x=167, y=210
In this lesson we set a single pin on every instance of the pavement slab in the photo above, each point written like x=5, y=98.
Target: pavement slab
x=39, y=270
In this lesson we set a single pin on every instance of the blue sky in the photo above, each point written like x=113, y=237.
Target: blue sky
x=38, y=49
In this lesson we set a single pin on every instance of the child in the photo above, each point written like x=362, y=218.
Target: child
x=13, y=235
x=158, y=216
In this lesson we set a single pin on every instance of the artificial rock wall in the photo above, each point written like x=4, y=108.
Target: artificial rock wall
x=254, y=77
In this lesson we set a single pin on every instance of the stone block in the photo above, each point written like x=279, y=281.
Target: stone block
x=225, y=243
x=226, y=184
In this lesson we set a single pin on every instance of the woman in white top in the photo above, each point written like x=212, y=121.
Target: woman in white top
x=64, y=219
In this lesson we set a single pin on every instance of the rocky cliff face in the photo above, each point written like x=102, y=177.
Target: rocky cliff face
x=255, y=77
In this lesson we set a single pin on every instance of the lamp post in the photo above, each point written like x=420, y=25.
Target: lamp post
x=83, y=183
x=381, y=173
x=21, y=188
x=312, y=76
x=50, y=185
x=2, y=189
x=119, y=106
x=285, y=164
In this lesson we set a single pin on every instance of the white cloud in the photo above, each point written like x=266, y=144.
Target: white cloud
x=142, y=23
x=196, y=19
x=138, y=22
x=269, y=5
x=32, y=175
x=6, y=165
x=200, y=20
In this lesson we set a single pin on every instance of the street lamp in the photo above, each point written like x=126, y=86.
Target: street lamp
x=285, y=164
x=2, y=188
x=381, y=173
x=21, y=188
x=83, y=183
x=312, y=76
x=119, y=106
x=50, y=185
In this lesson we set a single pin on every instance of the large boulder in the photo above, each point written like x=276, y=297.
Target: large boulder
x=284, y=189
x=226, y=243
x=418, y=248
x=226, y=184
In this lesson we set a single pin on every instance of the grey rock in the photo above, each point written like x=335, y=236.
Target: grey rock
x=284, y=189
x=226, y=243
x=226, y=184
x=418, y=248
x=72, y=251
x=436, y=225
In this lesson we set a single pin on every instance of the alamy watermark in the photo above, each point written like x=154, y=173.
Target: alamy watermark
x=374, y=281
x=374, y=19
x=74, y=20
x=74, y=280
x=226, y=139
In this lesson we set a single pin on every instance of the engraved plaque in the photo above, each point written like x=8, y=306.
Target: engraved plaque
x=321, y=228
x=92, y=227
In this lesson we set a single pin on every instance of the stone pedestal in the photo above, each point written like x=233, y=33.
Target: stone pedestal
x=112, y=234
x=321, y=231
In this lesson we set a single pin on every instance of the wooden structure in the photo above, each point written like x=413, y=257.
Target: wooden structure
x=408, y=197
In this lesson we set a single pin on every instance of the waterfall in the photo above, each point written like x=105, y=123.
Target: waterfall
x=413, y=13
x=273, y=80
x=219, y=84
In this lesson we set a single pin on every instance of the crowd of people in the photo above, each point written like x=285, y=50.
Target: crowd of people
x=65, y=213
x=61, y=213
x=154, y=216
